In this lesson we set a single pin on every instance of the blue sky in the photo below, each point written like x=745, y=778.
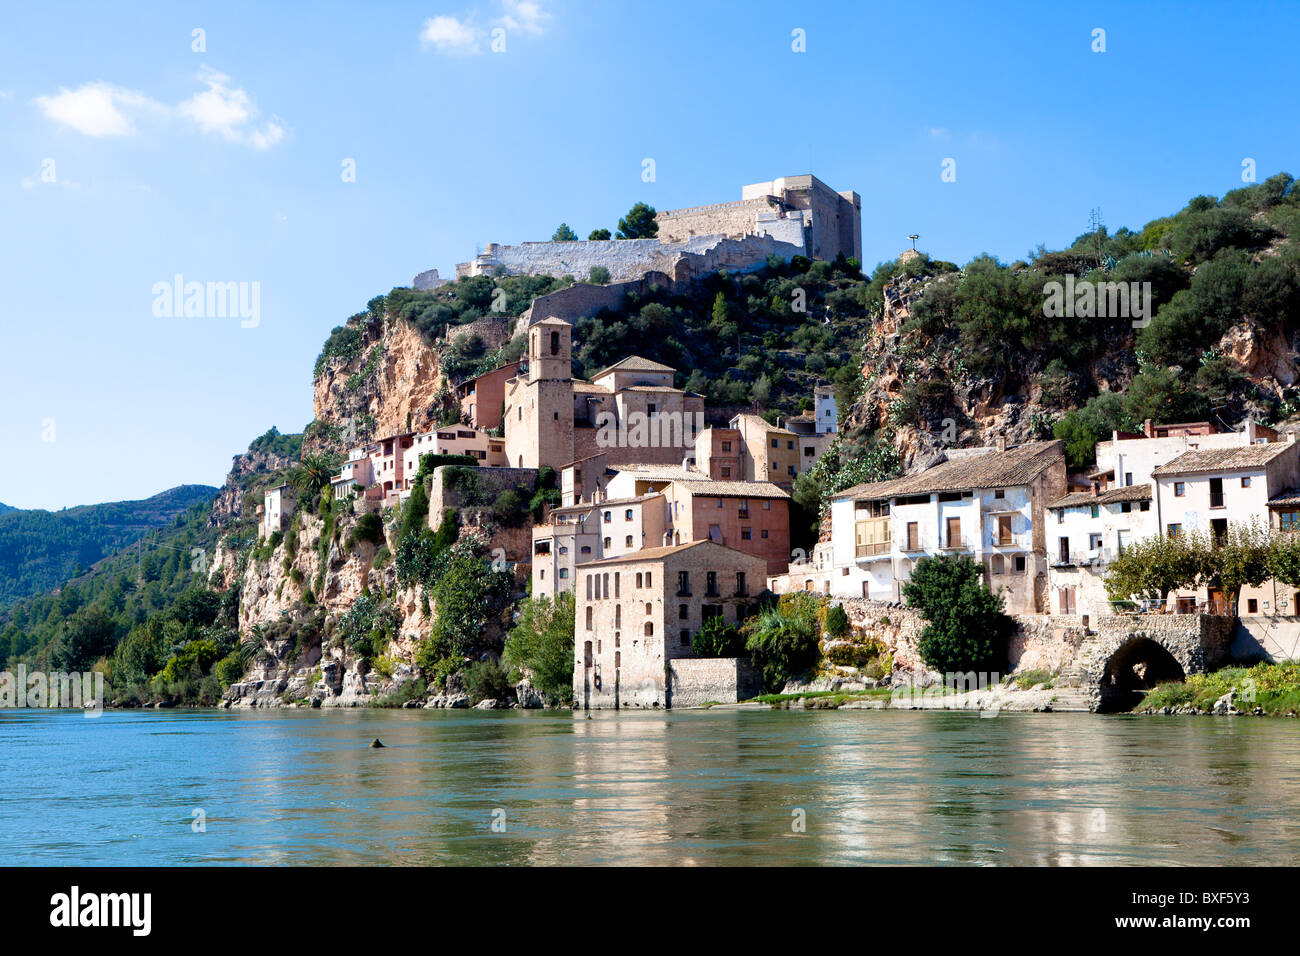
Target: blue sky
x=226, y=166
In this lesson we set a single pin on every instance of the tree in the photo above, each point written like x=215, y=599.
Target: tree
x=599, y=275
x=312, y=474
x=599, y=234
x=717, y=638
x=1284, y=558
x=1242, y=559
x=1154, y=567
x=782, y=640
x=967, y=629
x=1082, y=428
x=541, y=643
x=639, y=223
x=564, y=234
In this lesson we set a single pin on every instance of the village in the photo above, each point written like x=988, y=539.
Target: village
x=666, y=520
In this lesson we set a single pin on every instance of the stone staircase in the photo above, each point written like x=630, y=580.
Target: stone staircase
x=1072, y=685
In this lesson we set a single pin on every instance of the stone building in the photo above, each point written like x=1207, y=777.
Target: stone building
x=482, y=399
x=799, y=209
x=630, y=412
x=636, y=615
x=278, y=505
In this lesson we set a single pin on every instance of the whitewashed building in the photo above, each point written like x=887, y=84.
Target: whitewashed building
x=986, y=503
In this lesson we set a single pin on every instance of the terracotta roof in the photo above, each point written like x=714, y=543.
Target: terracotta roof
x=966, y=471
x=635, y=363
x=1224, y=459
x=761, y=422
x=1109, y=497
x=1289, y=497
x=705, y=487
x=662, y=472
x=651, y=388
x=588, y=387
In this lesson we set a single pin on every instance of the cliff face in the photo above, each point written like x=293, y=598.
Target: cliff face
x=229, y=503
x=392, y=385
x=956, y=409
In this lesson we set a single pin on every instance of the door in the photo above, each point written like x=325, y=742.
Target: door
x=913, y=536
x=954, y=532
x=1064, y=554
x=1004, y=530
x=1067, y=600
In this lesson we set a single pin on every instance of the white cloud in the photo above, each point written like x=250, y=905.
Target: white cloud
x=228, y=112
x=102, y=109
x=6, y=94
x=525, y=15
x=449, y=35
x=97, y=109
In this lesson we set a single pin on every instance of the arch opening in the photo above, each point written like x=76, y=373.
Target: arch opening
x=1136, y=667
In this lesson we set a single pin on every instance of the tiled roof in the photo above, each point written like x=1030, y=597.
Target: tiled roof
x=1108, y=497
x=1224, y=459
x=1289, y=497
x=662, y=472
x=655, y=554
x=651, y=388
x=762, y=423
x=635, y=363
x=588, y=387
x=705, y=487
x=965, y=472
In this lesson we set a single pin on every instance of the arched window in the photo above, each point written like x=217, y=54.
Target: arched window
x=649, y=628
x=555, y=343
x=589, y=618
x=618, y=615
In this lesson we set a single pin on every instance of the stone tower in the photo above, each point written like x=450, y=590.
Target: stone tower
x=539, y=407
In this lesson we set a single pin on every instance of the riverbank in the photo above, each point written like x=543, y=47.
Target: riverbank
x=1265, y=690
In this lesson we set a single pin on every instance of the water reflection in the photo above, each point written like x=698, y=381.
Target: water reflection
x=681, y=788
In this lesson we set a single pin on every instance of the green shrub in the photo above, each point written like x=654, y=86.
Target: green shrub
x=717, y=638
x=966, y=628
x=486, y=680
x=541, y=642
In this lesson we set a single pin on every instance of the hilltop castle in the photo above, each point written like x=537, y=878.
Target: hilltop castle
x=789, y=216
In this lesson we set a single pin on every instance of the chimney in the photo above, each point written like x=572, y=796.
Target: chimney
x=1002, y=444
x=1148, y=428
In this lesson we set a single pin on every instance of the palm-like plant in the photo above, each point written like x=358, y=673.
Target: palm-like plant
x=312, y=473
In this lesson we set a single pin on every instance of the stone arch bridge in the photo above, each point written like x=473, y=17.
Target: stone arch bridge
x=1129, y=654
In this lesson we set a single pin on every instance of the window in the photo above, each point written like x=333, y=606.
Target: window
x=586, y=549
x=609, y=516
x=647, y=579
x=776, y=443
x=998, y=564
x=726, y=446
x=616, y=579
x=1128, y=478
x=1000, y=494
x=555, y=343
x=953, y=533
x=618, y=615
x=1289, y=520
x=1173, y=530
x=767, y=506
x=683, y=612
x=627, y=541
x=686, y=638
x=1094, y=541
x=683, y=583
x=564, y=572
x=1020, y=564
x=1126, y=506
x=649, y=628
x=1144, y=506
x=711, y=584
x=1245, y=482
x=627, y=515
x=609, y=543
x=726, y=472
x=588, y=588
x=740, y=584
x=1180, y=489
x=790, y=445
x=763, y=533
x=746, y=534
x=1216, y=492
x=589, y=613
x=638, y=580
x=1252, y=606
x=1094, y=511
x=775, y=466
x=1060, y=516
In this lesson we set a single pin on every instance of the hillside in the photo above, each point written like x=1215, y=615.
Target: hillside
x=342, y=608
x=41, y=549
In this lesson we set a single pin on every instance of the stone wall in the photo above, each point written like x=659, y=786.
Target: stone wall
x=492, y=481
x=1044, y=642
x=493, y=330
x=628, y=259
x=725, y=680
x=898, y=627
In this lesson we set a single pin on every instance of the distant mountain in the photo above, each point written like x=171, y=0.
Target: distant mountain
x=40, y=550
x=4, y=507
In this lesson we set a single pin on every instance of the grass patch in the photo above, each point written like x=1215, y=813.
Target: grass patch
x=832, y=698
x=1028, y=679
x=1273, y=687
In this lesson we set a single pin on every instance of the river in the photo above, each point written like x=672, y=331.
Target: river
x=676, y=788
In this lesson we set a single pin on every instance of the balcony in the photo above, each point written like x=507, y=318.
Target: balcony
x=872, y=537
x=961, y=543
